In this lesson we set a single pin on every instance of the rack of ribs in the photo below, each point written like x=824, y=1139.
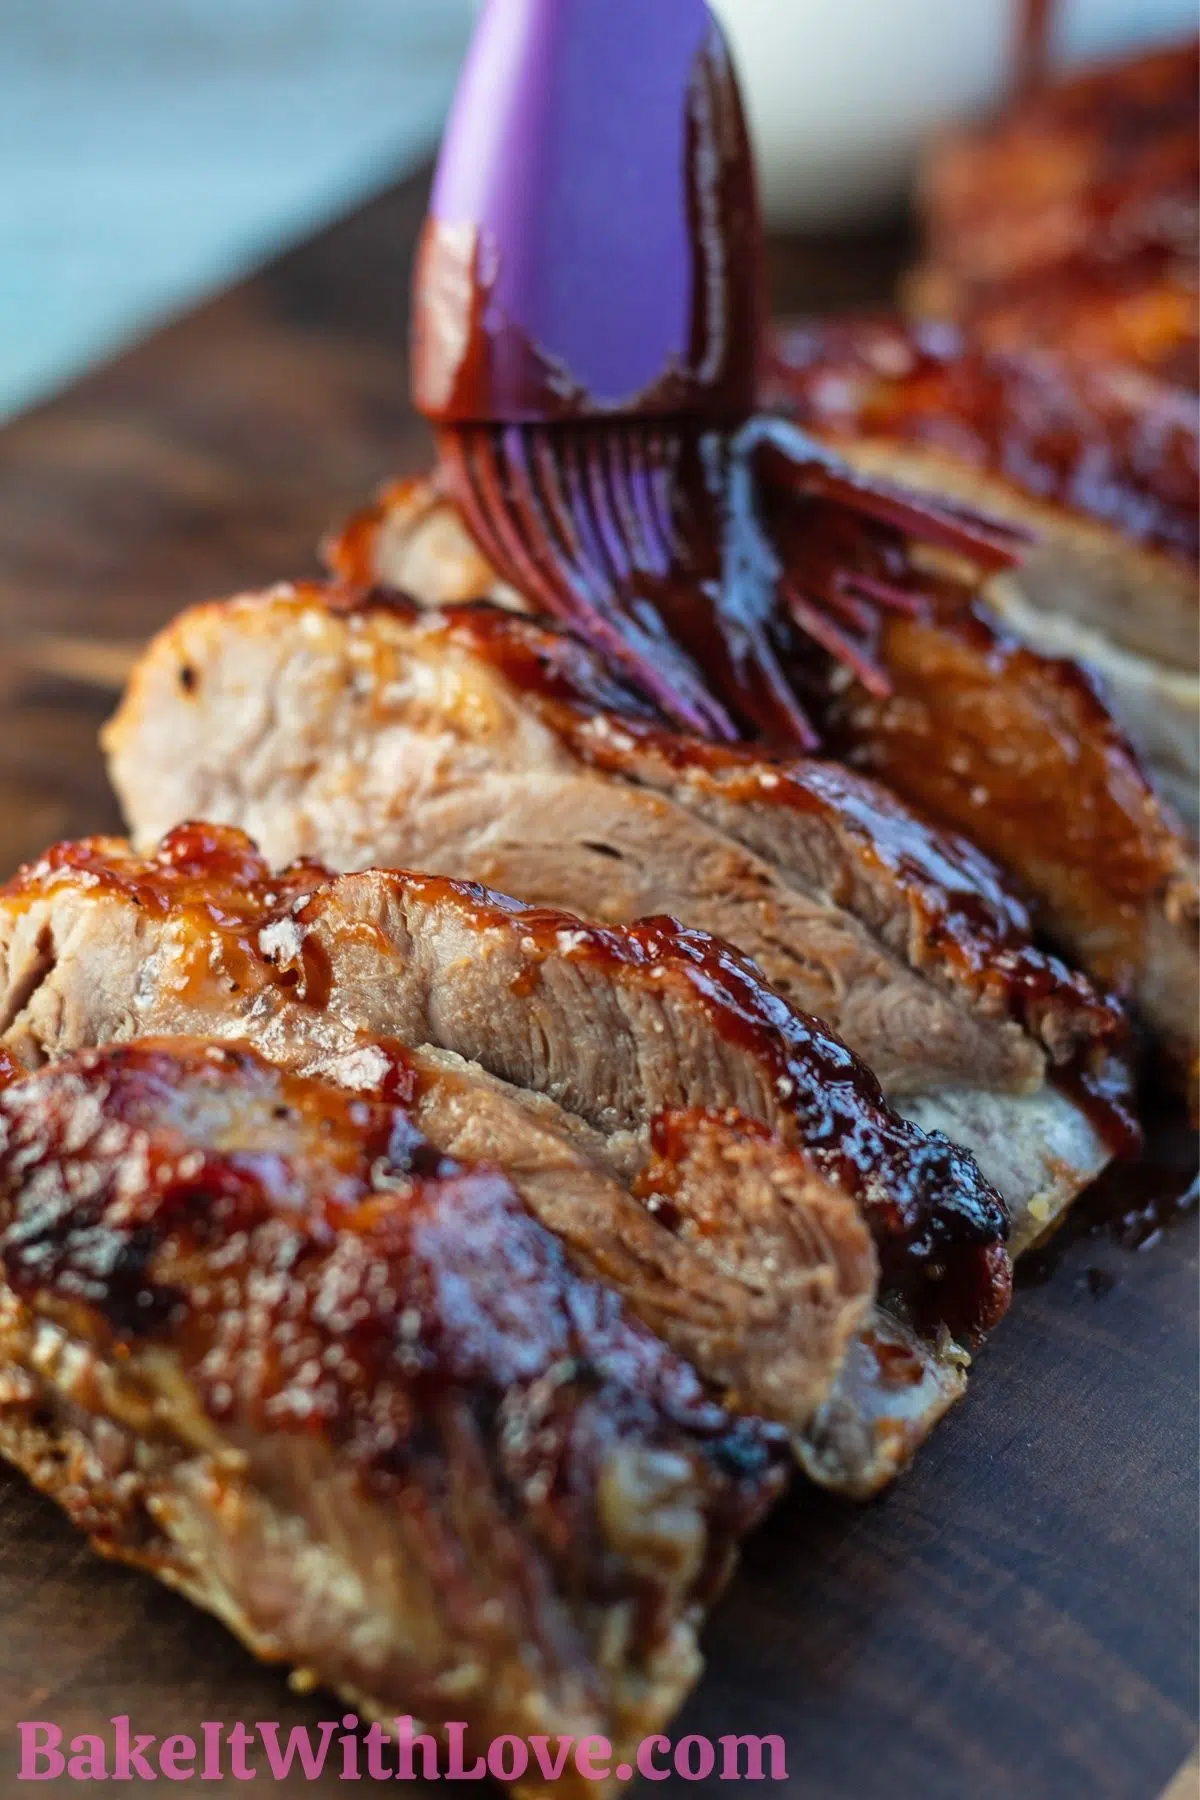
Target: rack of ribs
x=262, y=1338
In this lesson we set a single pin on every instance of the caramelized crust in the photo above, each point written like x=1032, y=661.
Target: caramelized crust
x=1073, y=217
x=1019, y=752
x=309, y=1335
x=1093, y=439
x=619, y=1024
x=954, y=903
x=1067, y=743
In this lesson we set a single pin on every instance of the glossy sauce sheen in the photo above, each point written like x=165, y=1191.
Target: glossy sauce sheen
x=1124, y=451
x=348, y=1283
x=661, y=547
x=471, y=364
x=938, y=1225
x=1130, y=1205
x=962, y=684
x=639, y=519
x=967, y=914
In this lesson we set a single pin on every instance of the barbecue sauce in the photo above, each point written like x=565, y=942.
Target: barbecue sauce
x=477, y=359
x=1075, y=806
x=1064, y=429
x=420, y=1328
x=1131, y=1205
x=937, y=1223
x=1103, y=1092
x=1035, y=29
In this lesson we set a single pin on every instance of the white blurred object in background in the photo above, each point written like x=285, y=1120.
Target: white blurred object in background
x=842, y=92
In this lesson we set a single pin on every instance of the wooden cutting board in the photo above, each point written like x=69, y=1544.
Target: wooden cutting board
x=1017, y=1619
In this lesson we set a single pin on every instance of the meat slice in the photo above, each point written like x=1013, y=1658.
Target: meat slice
x=260, y=1337
x=1019, y=752
x=621, y=1027
x=736, y=1251
x=999, y=734
x=97, y=944
x=364, y=729
x=741, y=1256
x=1073, y=216
x=1101, y=461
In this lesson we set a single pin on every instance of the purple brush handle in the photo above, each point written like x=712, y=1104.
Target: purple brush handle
x=594, y=242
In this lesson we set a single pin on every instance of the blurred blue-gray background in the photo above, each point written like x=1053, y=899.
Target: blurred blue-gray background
x=151, y=149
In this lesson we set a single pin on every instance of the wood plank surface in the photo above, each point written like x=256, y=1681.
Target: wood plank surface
x=1017, y=1619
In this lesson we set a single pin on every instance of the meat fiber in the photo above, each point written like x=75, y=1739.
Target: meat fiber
x=661, y=1048
x=1015, y=749
x=365, y=730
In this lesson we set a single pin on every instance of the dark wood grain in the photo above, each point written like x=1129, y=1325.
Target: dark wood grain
x=1017, y=1619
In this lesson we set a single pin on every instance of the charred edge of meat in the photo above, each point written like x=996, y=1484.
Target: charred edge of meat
x=319, y=1273
x=1117, y=827
x=1115, y=446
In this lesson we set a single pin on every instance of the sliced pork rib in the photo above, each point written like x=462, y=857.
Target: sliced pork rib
x=261, y=1338
x=737, y=1251
x=620, y=1027
x=611, y=1037
x=475, y=743
x=1100, y=460
x=999, y=735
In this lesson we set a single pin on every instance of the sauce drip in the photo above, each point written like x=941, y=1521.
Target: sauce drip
x=606, y=453
x=1103, y=1091
x=1035, y=30
x=1132, y=1205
